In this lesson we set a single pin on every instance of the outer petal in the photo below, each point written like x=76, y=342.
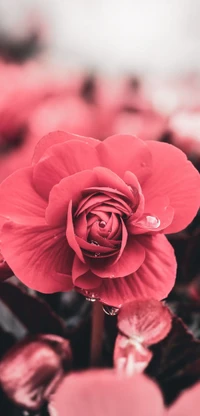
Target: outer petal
x=19, y=200
x=66, y=159
x=83, y=277
x=39, y=256
x=188, y=403
x=69, y=188
x=104, y=392
x=154, y=279
x=121, y=153
x=157, y=209
x=174, y=176
x=58, y=137
x=131, y=259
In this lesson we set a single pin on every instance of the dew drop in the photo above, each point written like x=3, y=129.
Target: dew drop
x=102, y=224
x=149, y=221
x=110, y=310
x=91, y=299
x=94, y=242
x=89, y=295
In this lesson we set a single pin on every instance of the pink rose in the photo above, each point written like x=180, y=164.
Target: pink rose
x=91, y=215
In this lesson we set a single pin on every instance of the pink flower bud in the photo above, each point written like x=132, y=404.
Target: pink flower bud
x=32, y=369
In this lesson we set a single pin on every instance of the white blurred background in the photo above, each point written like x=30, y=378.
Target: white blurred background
x=113, y=36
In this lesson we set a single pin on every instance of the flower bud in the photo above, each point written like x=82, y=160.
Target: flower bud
x=32, y=369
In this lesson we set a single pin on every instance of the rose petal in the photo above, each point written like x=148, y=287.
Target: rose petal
x=39, y=256
x=71, y=235
x=66, y=159
x=104, y=392
x=120, y=153
x=19, y=200
x=83, y=277
x=58, y=137
x=154, y=279
x=109, y=179
x=135, y=187
x=131, y=259
x=156, y=209
x=174, y=176
x=69, y=188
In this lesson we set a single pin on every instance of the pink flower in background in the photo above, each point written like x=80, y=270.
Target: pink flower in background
x=32, y=369
x=103, y=392
x=28, y=93
x=91, y=215
x=141, y=323
x=185, y=129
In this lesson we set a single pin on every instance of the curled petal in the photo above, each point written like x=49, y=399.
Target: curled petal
x=158, y=215
x=130, y=260
x=83, y=277
x=70, y=234
x=173, y=176
x=67, y=189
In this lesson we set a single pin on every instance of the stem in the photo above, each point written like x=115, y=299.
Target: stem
x=97, y=335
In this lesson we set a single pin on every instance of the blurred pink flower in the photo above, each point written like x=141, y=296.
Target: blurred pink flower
x=103, y=392
x=141, y=323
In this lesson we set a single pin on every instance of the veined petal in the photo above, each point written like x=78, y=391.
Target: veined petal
x=19, y=200
x=175, y=177
x=39, y=256
x=130, y=260
x=154, y=279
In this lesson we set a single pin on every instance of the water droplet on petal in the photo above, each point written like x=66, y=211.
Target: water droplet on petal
x=110, y=310
x=102, y=224
x=89, y=295
x=94, y=242
x=149, y=221
x=91, y=299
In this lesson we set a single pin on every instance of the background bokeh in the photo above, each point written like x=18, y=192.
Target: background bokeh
x=108, y=35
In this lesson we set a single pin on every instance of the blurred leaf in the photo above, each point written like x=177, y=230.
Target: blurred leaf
x=176, y=361
x=34, y=314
